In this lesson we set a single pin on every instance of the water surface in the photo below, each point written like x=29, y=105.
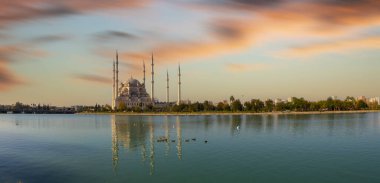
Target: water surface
x=242, y=148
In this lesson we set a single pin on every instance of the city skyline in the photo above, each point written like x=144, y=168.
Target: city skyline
x=62, y=53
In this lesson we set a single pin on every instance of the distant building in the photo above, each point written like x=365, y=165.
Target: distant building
x=290, y=99
x=363, y=98
x=334, y=97
x=278, y=100
x=374, y=100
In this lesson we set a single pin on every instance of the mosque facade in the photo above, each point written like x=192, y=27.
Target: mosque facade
x=132, y=93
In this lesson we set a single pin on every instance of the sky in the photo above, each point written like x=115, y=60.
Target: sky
x=60, y=52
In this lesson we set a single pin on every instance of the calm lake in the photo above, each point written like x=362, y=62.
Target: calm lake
x=243, y=148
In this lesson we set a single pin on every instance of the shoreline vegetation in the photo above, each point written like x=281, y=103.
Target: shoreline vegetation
x=224, y=113
x=293, y=105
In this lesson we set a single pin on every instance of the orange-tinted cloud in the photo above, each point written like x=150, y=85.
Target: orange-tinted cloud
x=8, y=79
x=93, y=78
x=266, y=21
x=225, y=36
x=19, y=10
x=10, y=54
x=238, y=67
x=340, y=46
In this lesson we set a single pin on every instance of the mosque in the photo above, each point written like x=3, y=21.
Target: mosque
x=132, y=93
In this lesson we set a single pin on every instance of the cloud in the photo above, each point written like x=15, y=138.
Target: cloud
x=115, y=35
x=11, y=54
x=225, y=36
x=93, y=78
x=49, y=38
x=7, y=51
x=238, y=67
x=248, y=23
x=8, y=79
x=17, y=11
x=339, y=46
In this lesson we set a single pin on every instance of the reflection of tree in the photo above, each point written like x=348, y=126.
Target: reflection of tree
x=207, y=121
x=254, y=122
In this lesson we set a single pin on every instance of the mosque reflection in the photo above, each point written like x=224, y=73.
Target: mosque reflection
x=142, y=134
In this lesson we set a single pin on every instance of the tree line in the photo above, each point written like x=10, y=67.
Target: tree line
x=232, y=105
x=19, y=107
x=257, y=105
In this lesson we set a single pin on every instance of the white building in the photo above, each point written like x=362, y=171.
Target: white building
x=363, y=98
x=374, y=100
x=290, y=99
x=132, y=93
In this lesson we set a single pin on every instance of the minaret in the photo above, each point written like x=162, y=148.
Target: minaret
x=117, y=75
x=152, y=80
x=113, y=86
x=167, y=87
x=179, y=85
x=144, y=72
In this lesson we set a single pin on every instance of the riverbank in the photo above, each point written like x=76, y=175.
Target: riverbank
x=221, y=113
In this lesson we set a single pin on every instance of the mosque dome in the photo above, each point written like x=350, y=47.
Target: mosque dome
x=133, y=82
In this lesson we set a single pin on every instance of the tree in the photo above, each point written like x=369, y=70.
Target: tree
x=207, y=106
x=315, y=106
x=257, y=105
x=361, y=105
x=107, y=108
x=122, y=106
x=232, y=98
x=226, y=107
x=236, y=105
x=248, y=106
x=220, y=106
x=269, y=105
x=349, y=103
x=280, y=106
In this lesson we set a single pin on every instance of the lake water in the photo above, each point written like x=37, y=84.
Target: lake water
x=248, y=148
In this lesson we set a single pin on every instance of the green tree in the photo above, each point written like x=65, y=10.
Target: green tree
x=207, y=106
x=220, y=106
x=226, y=107
x=232, y=98
x=247, y=105
x=269, y=105
x=361, y=105
x=236, y=105
x=122, y=106
x=280, y=106
x=257, y=105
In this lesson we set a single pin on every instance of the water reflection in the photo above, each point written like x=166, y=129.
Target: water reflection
x=131, y=134
x=153, y=136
